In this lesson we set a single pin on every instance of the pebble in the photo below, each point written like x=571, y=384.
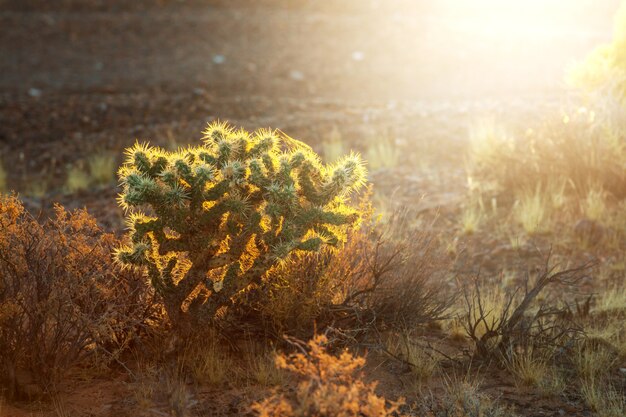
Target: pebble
x=219, y=59
x=358, y=56
x=34, y=92
x=296, y=75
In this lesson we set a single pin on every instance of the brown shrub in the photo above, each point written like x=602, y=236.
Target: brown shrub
x=402, y=280
x=385, y=276
x=577, y=152
x=61, y=297
x=498, y=322
x=329, y=386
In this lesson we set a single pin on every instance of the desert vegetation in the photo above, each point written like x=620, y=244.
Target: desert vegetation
x=402, y=257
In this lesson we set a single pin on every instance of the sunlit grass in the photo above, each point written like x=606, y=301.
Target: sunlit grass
x=612, y=299
x=594, y=205
x=423, y=365
x=472, y=216
x=463, y=397
x=533, y=369
x=489, y=143
x=261, y=369
x=382, y=153
x=531, y=211
x=556, y=192
x=209, y=363
x=333, y=146
x=102, y=169
x=77, y=180
x=36, y=189
x=593, y=363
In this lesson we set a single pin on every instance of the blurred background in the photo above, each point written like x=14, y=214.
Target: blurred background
x=80, y=78
x=350, y=49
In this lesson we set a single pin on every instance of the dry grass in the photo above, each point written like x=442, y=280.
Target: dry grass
x=568, y=168
x=423, y=365
x=489, y=143
x=455, y=329
x=603, y=398
x=333, y=146
x=159, y=386
x=472, y=216
x=77, y=180
x=612, y=299
x=382, y=153
x=594, y=205
x=462, y=398
x=423, y=362
x=534, y=369
x=263, y=372
x=36, y=189
x=102, y=169
x=208, y=362
x=591, y=362
x=3, y=179
x=529, y=368
x=531, y=211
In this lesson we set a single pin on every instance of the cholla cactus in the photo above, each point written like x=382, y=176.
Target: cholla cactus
x=221, y=214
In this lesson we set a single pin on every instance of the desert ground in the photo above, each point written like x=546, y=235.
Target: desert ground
x=407, y=84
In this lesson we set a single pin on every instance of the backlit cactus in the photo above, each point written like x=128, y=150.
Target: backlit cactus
x=216, y=217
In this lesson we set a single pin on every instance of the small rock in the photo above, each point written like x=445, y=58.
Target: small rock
x=219, y=59
x=296, y=75
x=35, y=92
x=358, y=56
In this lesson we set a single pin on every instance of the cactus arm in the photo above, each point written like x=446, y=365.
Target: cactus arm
x=237, y=204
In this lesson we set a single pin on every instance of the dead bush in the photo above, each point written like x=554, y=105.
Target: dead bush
x=517, y=318
x=401, y=280
x=61, y=297
x=329, y=386
x=384, y=277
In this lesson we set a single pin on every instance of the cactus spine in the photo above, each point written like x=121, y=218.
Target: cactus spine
x=216, y=217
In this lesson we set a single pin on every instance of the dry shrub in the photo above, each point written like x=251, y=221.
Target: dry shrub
x=498, y=325
x=329, y=386
x=403, y=279
x=585, y=148
x=61, y=297
x=385, y=276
